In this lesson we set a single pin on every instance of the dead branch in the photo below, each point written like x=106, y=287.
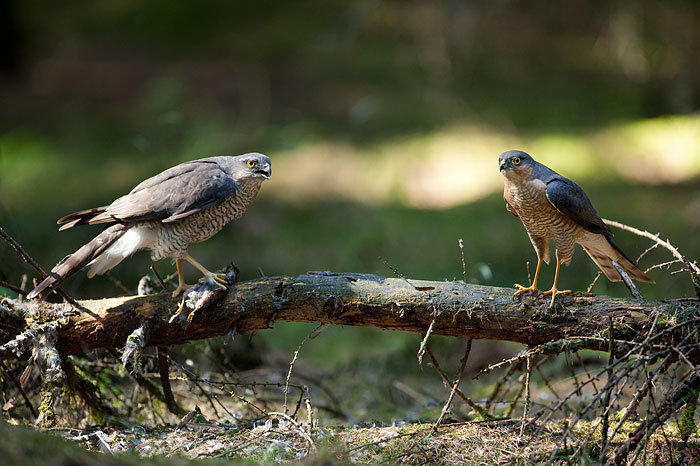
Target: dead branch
x=691, y=267
x=458, y=309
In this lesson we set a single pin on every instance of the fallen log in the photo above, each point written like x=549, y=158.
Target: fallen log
x=454, y=308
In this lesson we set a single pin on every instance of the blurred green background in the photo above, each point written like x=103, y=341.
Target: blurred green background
x=384, y=121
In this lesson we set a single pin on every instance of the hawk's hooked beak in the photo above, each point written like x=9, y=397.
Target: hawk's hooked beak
x=265, y=171
x=504, y=165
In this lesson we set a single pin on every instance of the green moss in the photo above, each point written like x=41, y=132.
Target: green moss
x=622, y=331
x=49, y=393
x=686, y=423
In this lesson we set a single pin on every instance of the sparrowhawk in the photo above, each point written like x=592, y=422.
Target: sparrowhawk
x=552, y=207
x=185, y=204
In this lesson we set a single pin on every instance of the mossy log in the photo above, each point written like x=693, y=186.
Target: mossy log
x=457, y=309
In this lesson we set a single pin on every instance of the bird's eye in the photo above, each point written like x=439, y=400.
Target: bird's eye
x=252, y=163
x=516, y=160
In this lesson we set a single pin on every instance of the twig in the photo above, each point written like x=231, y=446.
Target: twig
x=582, y=364
x=192, y=377
x=291, y=420
x=11, y=287
x=314, y=333
x=693, y=269
x=528, y=372
x=627, y=281
x=309, y=410
x=16, y=383
x=527, y=266
x=516, y=358
x=424, y=343
x=647, y=251
x=163, y=369
x=397, y=273
x=482, y=412
x=160, y=280
x=606, y=398
x=590, y=287
x=672, y=403
x=663, y=264
x=494, y=399
x=454, y=386
x=28, y=259
x=546, y=382
x=464, y=265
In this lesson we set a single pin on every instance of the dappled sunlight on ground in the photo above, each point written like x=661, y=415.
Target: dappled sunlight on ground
x=459, y=164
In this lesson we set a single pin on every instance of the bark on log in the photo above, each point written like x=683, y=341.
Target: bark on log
x=458, y=309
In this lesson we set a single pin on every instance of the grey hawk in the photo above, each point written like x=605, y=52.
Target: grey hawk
x=185, y=204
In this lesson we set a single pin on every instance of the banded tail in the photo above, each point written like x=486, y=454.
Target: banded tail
x=603, y=250
x=79, y=259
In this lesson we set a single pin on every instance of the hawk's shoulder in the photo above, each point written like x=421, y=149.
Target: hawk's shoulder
x=571, y=200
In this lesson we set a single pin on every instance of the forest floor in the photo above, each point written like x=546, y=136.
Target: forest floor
x=268, y=442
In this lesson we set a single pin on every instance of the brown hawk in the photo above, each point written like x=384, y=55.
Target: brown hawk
x=552, y=207
x=185, y=204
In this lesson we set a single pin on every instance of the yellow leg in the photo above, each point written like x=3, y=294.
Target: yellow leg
x=181, y=285
x=533, y=287
x=554, y=291
x=218, y=278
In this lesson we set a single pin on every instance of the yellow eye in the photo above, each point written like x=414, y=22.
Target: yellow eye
x=516, y=160
x=252, y=163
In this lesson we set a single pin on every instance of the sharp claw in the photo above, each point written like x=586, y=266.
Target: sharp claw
x=555, y=292
x=525, y=289
x=219, y=279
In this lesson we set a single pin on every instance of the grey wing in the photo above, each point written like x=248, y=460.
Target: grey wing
x=569, y=199
x=176, y=193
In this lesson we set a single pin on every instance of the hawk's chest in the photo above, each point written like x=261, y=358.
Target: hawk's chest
x=205, y=224
x=528, y=200
x=173, y=238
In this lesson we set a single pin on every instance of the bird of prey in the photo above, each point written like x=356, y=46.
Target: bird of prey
x=185, y=204
x=552, y=207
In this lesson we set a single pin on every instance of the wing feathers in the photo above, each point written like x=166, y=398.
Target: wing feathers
x=176, y=193
x=83, y=217
x=569, y=199
x=193, y=188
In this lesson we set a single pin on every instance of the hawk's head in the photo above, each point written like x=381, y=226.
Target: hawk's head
x=515, y=164
x=253, y=165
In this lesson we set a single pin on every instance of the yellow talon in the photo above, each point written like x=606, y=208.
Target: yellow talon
x=531, y=288
x=219, y=278
x=525, y=289
x=554, y=292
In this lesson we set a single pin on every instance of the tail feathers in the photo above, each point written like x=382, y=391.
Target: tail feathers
x=79, y=259
x=603, y=251
x=85, y=217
